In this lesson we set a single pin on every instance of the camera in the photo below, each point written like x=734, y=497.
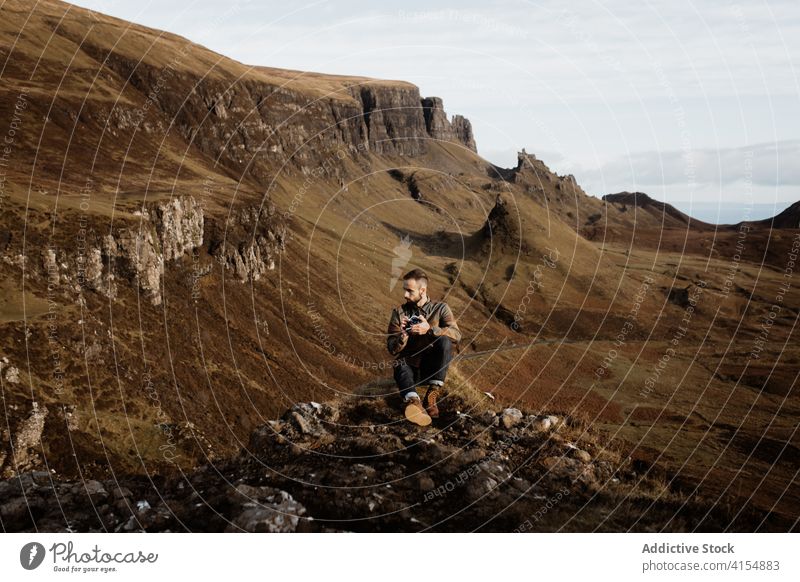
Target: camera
x=413, y=320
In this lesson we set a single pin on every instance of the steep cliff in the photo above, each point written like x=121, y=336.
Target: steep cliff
x=458, y=130
x=249, y=242
x=255, y=123
x=462, y=128
x=133, y=252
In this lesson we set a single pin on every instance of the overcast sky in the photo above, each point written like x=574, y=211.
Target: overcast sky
x=691, y=102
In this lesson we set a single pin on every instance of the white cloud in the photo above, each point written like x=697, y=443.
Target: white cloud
x=765, y=164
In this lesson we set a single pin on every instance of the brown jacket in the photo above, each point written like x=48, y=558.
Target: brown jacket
x=439, y=316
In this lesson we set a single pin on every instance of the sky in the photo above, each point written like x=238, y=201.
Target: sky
x=696, y=103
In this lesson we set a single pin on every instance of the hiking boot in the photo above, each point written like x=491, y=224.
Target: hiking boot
x=416, y=413
x=433, y=394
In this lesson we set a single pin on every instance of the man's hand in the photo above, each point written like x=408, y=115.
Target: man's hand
x=403, y=322
x=421, y=328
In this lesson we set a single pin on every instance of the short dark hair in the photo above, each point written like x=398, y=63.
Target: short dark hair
x=417, y=274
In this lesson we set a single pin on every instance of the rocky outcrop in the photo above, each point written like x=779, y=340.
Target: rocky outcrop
x=266, y=510
x=349, y=465
x=21, y=449
x=133, y=256
x=531, y=170
x=393, y=119
x=249, y=242
x=436, y=122
x=179, y=225
x=502, y=227
x=166, y=232
x=134, y=252
x=139, y=253
x=459, y=129
x=9, y=371
x=255, y=125
x=462, y=128
x=103, y=506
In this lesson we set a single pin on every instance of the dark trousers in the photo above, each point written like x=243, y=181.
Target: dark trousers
x=434, y=359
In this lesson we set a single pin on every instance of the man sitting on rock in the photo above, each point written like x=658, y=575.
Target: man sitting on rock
x=421, y=333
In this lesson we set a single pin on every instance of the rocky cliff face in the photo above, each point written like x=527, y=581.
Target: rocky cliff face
x=393, y=121
x=167, y=231
x=459, y=129
x=462, y=128
x=138, y=253
x=253, y=125
x=21, y=447
x=179, y=225
x=132, y=256
x=135, y=253
x=249, y=242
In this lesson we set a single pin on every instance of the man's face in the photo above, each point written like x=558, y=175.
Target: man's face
x=412, y=291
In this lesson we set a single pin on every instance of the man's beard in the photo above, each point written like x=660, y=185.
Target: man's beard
x=414, y=302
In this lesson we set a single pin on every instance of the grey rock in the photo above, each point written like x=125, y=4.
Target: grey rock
x=90, y=269
x=12, y=374
x=540, y=424
x=249, y=493
x=573, y=469
x=249, y=243
x=138, y=254
x=179, y=224
x=496, y=470
x=302, y=424
x=122, y=493
x=458, y=129
x=479, y=486
x=134, y=256
x=510, y=417
x=462, y=129
x=28, y=438
x=32, y=480
x=155, y=519
x=555, y=421
x=50, y=266
x=15, y=514
x=276, y=512
x=94, y=489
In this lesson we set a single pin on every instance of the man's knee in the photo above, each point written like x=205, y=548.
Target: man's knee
x=443, y=343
